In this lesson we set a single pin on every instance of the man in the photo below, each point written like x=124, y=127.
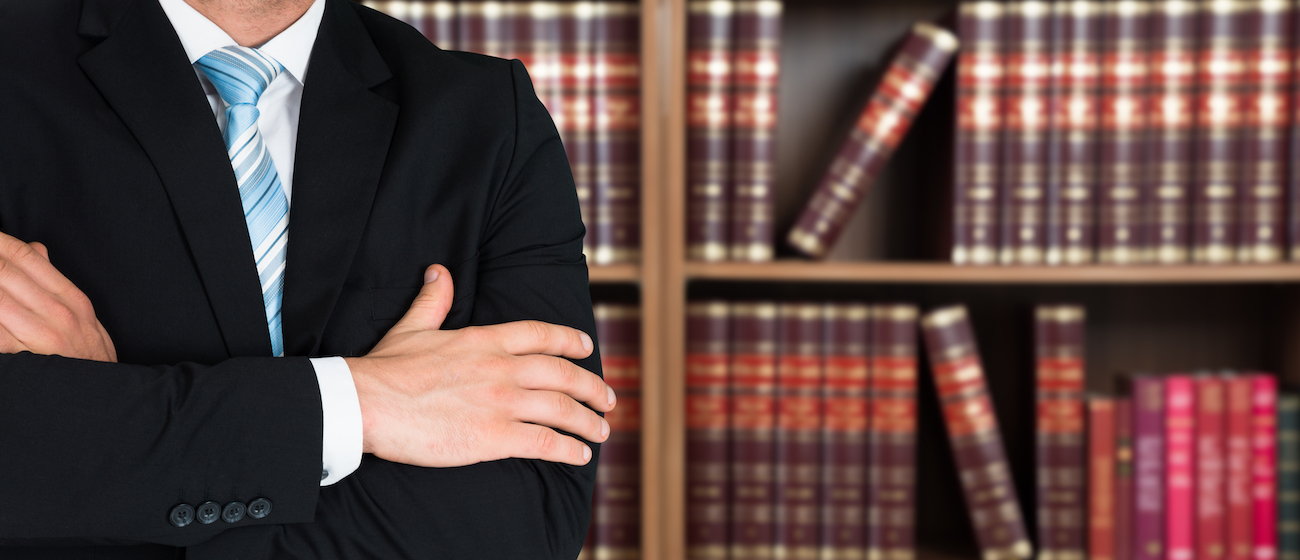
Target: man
x=163, y=151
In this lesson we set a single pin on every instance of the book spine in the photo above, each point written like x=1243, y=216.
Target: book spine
x=484, y=27
x=1240, y=528
x=891, y=502
x=1288, y=476
x=575, y=120
x=753, y=430
x=883, y=122
x=1061, y=453
x=798, y=432
x=1172, y=64
x=1026, y=125
x=753, y=142
x=1292, y=212
x=1217, y=142
x=1101, y=478
x=1263, y=465
x=1122, y=148
x=440, y=24
x=1124, y=483
x=709, y=76
x=978, y=135
x=846, y=350
x=616, y=108
x=1265, y=99
x=973, y=433
x=1211, y=522
x=539, y=40
x=1071, y=184
x=708, y=406
x=1180, y=474
x=1148, y=469
x=618, y=479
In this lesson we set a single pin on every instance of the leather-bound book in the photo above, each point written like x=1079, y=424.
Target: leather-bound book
x=1062, y=457
x=1072, y=137
x=798, y=431
x=981, y=71
x=616, y=112
x=537, y=40
x=1288, y=476
x=1263, y=465
x=845, y=347
x=1180, y=467
x=485, y=27
x=1026, y=122
x=1170, y=117
x=891, y=487
x=708, y=404
x=710, y=28
x=1101, y=478
x=1241, y=536
x=1148, y=468
x=1124, y=481
x=973, y=433
x=439, y=24
x=753, y=430
x=884, y=120
x=1216, y=149
x=618, y=478
x=1124, y=104
x=756, y=66
x=575, y=119
x=1264, y=37
x=1211, y=521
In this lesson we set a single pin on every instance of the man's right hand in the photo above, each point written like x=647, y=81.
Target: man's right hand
x=439, y=398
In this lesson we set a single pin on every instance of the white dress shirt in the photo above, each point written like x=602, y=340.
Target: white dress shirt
x=278, y=123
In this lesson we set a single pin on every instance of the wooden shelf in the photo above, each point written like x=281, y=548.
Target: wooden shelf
x=614, y=274
x=943, y=273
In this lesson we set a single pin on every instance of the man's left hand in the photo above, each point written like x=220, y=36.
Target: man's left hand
x=43, y=312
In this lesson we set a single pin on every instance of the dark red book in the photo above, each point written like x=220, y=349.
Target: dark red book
x=485, y=27
x=753, y=430
x=1124, y=503
x=845, y=348
x=977, y=158
x=798, y=431
x=1124, y=104
x=439, y=24
x=1148, y=468
x=756, y=71
x=709, y=31
x=1101, y=478
x=575, y=120
x=618, y=477
x=1026, y=122
x=1211, y=522
x=1180, y=467
x=891, y=494
x=616, y=112
x=537, y=46
x=1264, y=39
x=1169, y=152
x=1062, y=457
x=1240, y=510
x=1071, y=183
x=1216, y=149
x=708, y=352
x=884, y=120
x=973, y=433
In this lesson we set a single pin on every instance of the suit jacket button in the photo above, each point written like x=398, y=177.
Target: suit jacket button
x=234, y=511
x=259, y=508
x=181, y=515
x=208, y=512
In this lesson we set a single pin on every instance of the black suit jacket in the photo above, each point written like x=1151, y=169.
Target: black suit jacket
x=407, y=156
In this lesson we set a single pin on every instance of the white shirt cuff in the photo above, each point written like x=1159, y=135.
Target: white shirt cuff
x=341, y=452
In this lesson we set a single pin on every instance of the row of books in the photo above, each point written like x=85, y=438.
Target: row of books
x=585, y=63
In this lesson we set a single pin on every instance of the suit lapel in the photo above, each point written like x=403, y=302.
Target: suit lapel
x=344, y=130
x=142, y=71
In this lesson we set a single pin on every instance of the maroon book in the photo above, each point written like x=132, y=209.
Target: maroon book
x=708, y=351
x=1148, y=468
x=486, y=27
x=618, y=477
x=1172, y=64
x=1124, y=479
x=756, y=71
x=1264, y=37
x=1061, y=453
x=1216, y=149
x=575, y=119
x=976, y=176
x=1071, y=185
x=1211, y=468
x=845, y=348
x=1026, y=125
x=753, y=430
x=891, y=492
x=798, y=432
x=1101, y=478
x=709, y=33
x=537, y=38
x=1122, y=162
x=616, y=112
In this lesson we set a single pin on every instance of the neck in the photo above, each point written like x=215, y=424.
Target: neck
x=252, y=22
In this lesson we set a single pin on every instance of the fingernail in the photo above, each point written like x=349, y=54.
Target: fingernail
x=586, y=454
x=431, y=275
x=612, y=397
x=586, y=342
x=604, y=428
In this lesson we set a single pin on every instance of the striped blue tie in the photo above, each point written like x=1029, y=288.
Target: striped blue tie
x=241, y=74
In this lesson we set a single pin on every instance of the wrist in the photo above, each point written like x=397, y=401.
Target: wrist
x=359, y=367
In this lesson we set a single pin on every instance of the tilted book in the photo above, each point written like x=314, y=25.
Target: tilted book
x=798, y=431
x=708, y=352
x=753, y=429
x=891, y=493
x=846, y=329
x=756, y=65
x=709, y=31
x=977, y=158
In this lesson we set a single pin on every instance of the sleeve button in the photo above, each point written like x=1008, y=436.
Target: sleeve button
x=234, y=511
x=208, y=512
x=181, y=515
x=259, y=508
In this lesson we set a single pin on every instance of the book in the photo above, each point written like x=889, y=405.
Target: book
x=709, y=76
x=1288, y=476
x=753, y=426
x=1216, y=149
x=1263, y=465
x=756, y=71
x=616, y=147
x=618, y=478
x=1071, y=183
x=1122, y=158
x=1148, y=468
x=575, y=120
x=1172, y=44
x=1264, y=42
x=1180, y=473
x=1125, y=546
x=1026, y=123
x=708, y=351
x=973, y=434
x=1062, y=456
x=485, y=27
x=891, y=495
x=798, y=430
x=888, y=114
x=978, y=133
x=538, y=48
x=1102, y=464
x=1240, y=508
x=846, y=330
x=439, y=24
x=1211, y=543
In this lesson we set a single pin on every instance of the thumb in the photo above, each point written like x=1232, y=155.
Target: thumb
x=40, y=248
x=431, y=304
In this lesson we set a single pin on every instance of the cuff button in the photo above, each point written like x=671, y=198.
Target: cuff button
x=234, y=511
x=208, y=512
x=181, y=515
x=259, y=508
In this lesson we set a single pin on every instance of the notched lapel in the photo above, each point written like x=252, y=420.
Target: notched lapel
x=142, y=71
x=344, y=130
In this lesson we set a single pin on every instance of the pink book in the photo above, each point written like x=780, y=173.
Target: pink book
x=1263, y=465
x=1180, y=447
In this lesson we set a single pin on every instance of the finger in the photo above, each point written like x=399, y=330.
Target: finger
x=41, y=248
x=432, y=303
x=9, y=344
x=560, y=411
x=34, y=263
x=535, y=337
x=530, y=441
x=548, y=373
x=108, y=342
x=23, y=304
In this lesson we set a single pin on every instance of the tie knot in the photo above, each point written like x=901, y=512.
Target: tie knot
x=240, y=74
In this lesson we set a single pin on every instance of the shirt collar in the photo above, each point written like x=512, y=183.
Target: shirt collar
x=291, y=48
